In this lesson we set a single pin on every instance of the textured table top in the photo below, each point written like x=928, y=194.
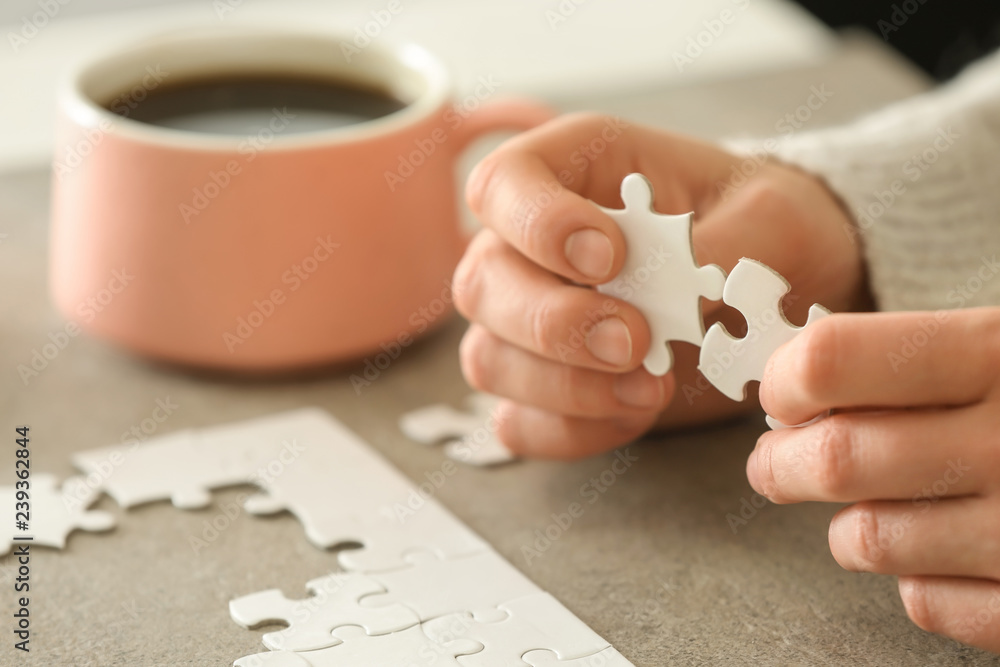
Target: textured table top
x=653, y=565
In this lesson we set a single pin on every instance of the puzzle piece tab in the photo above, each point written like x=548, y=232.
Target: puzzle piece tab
x=530, y=623
x=609, y=657
x=356, y=649
x=311, y=621
x=55, y=511
x=434, y=587
x=756, y=290
x=472, y=434
x=661, y=276
x=185, y=466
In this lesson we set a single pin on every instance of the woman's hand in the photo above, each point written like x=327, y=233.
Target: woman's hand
x=914, y=443
x=569, y=358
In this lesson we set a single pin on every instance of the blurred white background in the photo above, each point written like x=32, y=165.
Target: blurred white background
x=572, y=53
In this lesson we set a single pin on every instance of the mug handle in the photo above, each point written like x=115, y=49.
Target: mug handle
x=509, y=114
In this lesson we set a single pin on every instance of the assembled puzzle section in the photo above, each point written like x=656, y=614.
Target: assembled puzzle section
x=472, y=434
x=660, y=276
x=311, y=621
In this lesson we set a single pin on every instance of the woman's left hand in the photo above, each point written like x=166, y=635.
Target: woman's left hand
x=913, y=443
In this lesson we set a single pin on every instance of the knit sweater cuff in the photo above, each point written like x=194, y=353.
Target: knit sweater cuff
x=922, y=181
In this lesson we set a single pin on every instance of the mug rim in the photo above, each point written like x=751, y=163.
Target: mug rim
x=83, y=110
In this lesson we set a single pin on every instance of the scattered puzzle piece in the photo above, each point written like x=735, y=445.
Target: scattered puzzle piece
x=311, y=621
x=660, y=276
x=406, y=648
x=609, y=657
x=472, y=434
x=526, y=624
x=434, y=587
x=756, y=291
x=55, y=511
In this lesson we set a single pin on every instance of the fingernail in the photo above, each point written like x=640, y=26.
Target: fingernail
x=639, y=390
x=752, y=469
x=590, y=252
x=611, y=342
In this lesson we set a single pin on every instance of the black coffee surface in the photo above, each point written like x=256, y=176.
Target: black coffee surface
x=249, y=105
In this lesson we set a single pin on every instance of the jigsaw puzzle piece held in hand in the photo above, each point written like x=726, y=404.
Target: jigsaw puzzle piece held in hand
x=472, y=435
x=530, y=623
x=433, y=587
x=660, y=276
x=357, y=649
x=53, y=511
x=311, y=621
x=756, y=290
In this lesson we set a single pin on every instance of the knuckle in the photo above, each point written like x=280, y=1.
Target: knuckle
x=467, y=281
x=916, y=601
x=543, y=321
x=818, y=361
x=769, y=481
x=475, y=357
x=481, y=180
x=769, y=197
x=835, y=458
x=866, y=534
x=583, y=119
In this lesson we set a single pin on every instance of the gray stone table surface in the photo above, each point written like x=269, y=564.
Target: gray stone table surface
x=653, y=565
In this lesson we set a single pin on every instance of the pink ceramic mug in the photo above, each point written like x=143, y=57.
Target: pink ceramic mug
x=268, y=252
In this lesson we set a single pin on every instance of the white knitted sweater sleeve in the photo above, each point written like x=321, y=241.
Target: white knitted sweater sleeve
x=922, y=180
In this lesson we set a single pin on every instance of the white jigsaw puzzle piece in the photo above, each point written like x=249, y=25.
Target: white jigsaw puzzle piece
x=406, y=648
x=609, y=657
x=472, y=434
x=660, y=276
x=531, y=623
x=311, y=621
x=434, y=587
x=55, y=511
x=357, y=497
x=756, y=290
